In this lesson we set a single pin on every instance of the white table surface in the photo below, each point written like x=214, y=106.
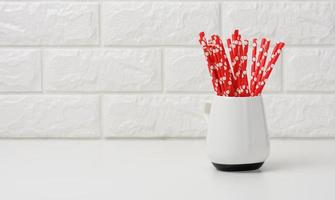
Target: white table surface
x=159, y=169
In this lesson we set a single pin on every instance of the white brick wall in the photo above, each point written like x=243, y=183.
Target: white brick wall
x=107, y=68
x=102, y=70
x=49, y=116
x=49, y=24
x=153, y=115
x=20, y=70
x=157, y=23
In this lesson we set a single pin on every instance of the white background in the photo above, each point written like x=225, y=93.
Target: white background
x=95, y=69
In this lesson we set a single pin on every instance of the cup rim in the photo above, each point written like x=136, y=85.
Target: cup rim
x=250, y=97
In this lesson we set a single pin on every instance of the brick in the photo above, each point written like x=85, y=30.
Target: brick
x=300, y=115
x=153, y=116
x=48, y=23
x=292, y=22
x=186, y=70
x=103, y=70
x=154, y=23
x=274, y=83
x=310, y=69
x=49, y=116
x=20, y=70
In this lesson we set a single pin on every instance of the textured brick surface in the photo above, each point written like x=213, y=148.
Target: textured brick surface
x=310, y=69
x=48, y=23
x=186, y=70
x=301, y=115
x=293, y=22
x=153, y=116
x=20, y=70
x=103, y=70
x=141, y=60
x=49, y=116
x=178, y=23
x=274, y=83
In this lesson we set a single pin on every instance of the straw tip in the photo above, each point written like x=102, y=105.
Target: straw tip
x=281, y=43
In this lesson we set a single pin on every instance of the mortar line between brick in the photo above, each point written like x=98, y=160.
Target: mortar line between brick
x=220, y=18
x=42, y=69
x=100, y=22
x=195, y=46
x=283, y=72
x=316, y=93
x=152, y=93
x=217, y=1
x=309, y=46
x=100, y=117
x=191, y=138
x=175, y=1
x=163, y=70
x=22, y=93
x=94, y=46
x=288, y=93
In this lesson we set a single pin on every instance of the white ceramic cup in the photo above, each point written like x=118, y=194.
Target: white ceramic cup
x=237, y=137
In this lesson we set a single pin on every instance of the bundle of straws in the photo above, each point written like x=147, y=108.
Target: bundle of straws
x=229, y=74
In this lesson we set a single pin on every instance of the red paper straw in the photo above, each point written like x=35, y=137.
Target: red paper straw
x=238, y=64
x=274, y=57
x=210, y=62
x=253, y=58
x=262, y=64
x=233, y=63
x=260, y=55
x=231, y=53
x=276, y=53
x=234, y=38
x=245, y=85
x=218, y=65
x=227, y=76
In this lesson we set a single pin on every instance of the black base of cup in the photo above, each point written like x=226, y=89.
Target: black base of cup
x=237, y=167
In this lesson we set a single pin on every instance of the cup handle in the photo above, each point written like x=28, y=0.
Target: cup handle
x=207, y=108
